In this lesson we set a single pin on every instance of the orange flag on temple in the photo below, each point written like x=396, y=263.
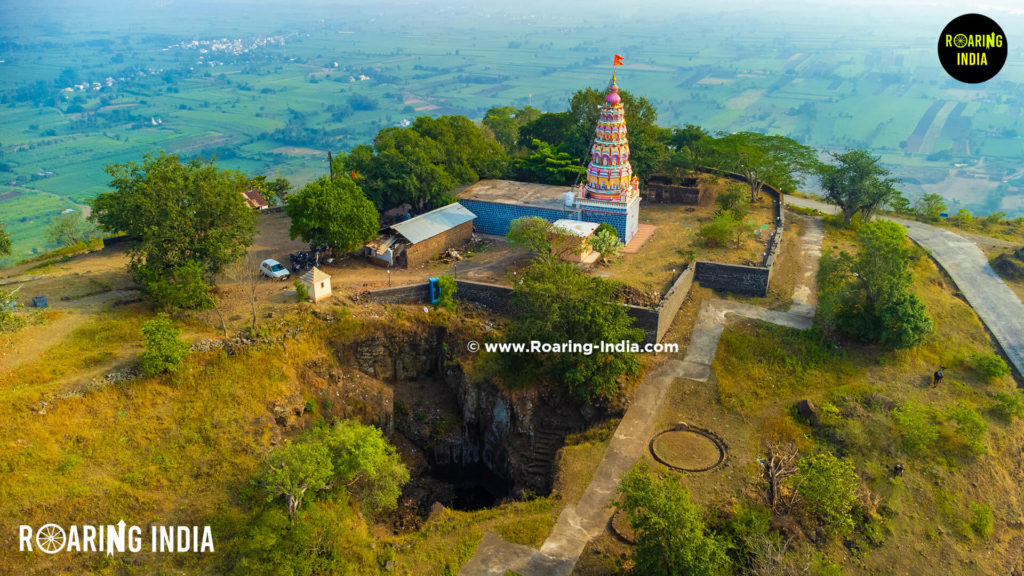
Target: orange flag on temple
x=618, y=61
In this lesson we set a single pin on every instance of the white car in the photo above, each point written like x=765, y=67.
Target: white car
x=272, y=269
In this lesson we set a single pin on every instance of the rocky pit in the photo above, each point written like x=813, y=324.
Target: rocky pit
x=469, y=443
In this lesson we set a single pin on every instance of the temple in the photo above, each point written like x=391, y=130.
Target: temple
x=610, y=193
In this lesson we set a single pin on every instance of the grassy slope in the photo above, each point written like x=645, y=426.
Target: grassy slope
x=762, y=371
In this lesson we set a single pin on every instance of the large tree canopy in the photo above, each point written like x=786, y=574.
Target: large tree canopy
x=764, y=159
x=505, y=123
x=856, y=183
x=647, y=141
x=421, y=164
x=671, y=536
x=557, y=302
x=868, y=295
x=333, y=212
x=180, y=214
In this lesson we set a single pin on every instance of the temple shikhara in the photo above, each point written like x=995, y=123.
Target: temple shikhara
x=609, y=194
x=611, y=187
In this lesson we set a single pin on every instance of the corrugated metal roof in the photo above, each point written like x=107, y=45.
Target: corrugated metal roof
x=576, y=227
x=432, y=223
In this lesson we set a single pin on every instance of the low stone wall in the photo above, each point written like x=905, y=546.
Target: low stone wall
x=411, y=294
x=663, y=192
x=749, y=280
x=673, y=301
x=654, y=322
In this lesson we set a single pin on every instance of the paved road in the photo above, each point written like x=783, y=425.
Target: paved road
x=996, y=305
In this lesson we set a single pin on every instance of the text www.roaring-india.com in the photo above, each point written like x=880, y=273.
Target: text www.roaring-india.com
x=571, y=347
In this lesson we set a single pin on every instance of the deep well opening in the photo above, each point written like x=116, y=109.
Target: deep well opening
x=469, y=443
x=473, y=485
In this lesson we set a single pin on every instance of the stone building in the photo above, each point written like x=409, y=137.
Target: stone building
x=417, y=240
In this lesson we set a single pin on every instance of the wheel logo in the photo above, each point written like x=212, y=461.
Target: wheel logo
x=50, y=538
x=960, y=40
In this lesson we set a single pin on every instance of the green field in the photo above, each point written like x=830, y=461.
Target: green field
x=322, y=78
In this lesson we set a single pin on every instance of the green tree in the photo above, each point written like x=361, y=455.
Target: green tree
x=273, y=191
x=295, y=469
x=402, y=166
x=165, y=351
x=505, y=123
x=5, y=241
x=365, y=464
x=420, y=164
x=532, y=233
x=900, y=204
x=178, y=213
x=557, y=302
x=764, y=159
x=322, y=538
x=868, y=295
x=828, y=486
x=184, y=287
x=647, y=141
x=548, y=165
x=70, y=229
x=448, y=288
x=857, y=184
x=606, y=243
x=333, y=212
x=930, y=206
x=541, y=237
x=672, y=538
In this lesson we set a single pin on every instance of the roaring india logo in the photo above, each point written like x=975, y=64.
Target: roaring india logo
x=972, y=48
x=120, y=537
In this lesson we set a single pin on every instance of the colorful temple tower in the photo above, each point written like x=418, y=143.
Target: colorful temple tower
x=611, y=192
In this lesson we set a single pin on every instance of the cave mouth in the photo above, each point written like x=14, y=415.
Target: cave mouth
x=474, y=485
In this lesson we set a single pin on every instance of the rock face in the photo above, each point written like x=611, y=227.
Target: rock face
x=459, y=422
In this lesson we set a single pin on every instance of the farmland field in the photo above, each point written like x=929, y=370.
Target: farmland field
x=83, y=88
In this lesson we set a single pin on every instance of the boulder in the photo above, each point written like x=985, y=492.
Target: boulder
x=806, y=410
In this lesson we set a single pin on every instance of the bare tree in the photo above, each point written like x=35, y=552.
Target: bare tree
x=777, y=465
x=249, y=279
x=245, y=273
x=768, y=557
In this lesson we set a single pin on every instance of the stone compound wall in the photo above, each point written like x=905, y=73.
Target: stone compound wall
x=655, y=322
x=749, y=280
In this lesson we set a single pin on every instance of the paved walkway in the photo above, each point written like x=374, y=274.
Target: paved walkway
x=579, y=523
x=996, y=305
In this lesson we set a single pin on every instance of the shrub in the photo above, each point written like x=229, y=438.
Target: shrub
x=982, y=520
x=164, y=350
x=916, y=425
x=971, y=428
x=828, y=486
x=448, y=288
x=1009, y=405
x=719, y=232
x=990, y=367
x=606, y=243
x=670, y=532
x=301, y=291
